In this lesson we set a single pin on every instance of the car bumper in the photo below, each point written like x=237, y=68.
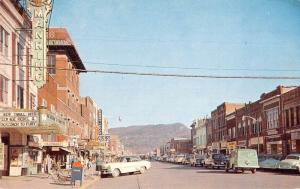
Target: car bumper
x=105, y=172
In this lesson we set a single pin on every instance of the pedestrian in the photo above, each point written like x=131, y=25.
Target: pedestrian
x=98, y=165
x=49, y=164
x=90, y=163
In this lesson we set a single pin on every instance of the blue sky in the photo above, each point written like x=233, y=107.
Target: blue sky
x=218, y=36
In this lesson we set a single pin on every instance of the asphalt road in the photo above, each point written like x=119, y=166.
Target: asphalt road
x=171, y=176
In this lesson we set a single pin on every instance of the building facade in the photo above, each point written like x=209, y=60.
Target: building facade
x=199, y=136
x=291, y=120
x=219, y=126
x=18, y=95
x=180, y=146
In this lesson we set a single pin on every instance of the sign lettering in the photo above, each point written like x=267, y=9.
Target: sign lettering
x=40, y=11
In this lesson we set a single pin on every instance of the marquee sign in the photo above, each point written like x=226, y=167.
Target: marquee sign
x=40, y=10
x=26, y=119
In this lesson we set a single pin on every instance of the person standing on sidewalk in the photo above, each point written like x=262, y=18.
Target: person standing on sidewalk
x=98, y=165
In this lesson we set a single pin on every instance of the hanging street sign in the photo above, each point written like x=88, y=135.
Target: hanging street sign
x=40, y=10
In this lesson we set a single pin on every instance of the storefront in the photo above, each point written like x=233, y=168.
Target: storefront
x=295, y=142
x=223, y=149
x=256, y=143
x=242, y=144
x=274, y=144
x=215, y=147
x=231, y=146
x=19, y=131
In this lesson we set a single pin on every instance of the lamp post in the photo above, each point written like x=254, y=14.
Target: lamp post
x=255, y=122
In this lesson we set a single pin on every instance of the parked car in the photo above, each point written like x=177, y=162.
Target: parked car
x=291, y=162
x=269, y=161
x=215, y=161
x=125, y=164
x=197, y=160
x=179, y=159
x=243, y=159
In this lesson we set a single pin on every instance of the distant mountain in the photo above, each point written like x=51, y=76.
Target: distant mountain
x=144, y=138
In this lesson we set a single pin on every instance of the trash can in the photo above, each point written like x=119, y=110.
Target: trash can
x=77, y=174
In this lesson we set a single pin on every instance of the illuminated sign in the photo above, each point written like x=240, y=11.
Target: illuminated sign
x=40, y=10
x=100, y=124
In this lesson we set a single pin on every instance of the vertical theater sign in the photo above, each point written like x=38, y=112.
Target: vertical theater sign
x=40, y=10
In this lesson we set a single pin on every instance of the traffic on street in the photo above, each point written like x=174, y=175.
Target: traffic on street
x=165, y=175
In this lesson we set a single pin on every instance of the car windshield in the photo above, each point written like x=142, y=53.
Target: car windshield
x=292, y=157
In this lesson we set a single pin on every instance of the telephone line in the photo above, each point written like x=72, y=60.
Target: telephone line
x=183, y=68
x=165, y=74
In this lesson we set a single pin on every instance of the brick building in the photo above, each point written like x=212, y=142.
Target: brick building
x=219, y=127
x=273, y=120
x=181, y=146
x=249, y=129
x=291, y=120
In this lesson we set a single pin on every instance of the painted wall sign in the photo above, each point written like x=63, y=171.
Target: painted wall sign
x=40, y=10
x=19, y=119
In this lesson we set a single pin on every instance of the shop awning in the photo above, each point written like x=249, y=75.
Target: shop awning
x=67, y=150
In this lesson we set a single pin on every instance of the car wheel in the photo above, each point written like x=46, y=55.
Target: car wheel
x=142, y=170
x=243, y=170
x=253, y=171
x=116, y=173
x=235, y=170
x=131, y=173
x=226, y=170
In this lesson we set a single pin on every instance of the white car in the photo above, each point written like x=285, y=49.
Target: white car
x=125, y=164
x=291, y=162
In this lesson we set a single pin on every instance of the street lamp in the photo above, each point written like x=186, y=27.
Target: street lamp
x=255, y=122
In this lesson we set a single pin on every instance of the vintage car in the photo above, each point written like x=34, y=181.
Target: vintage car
x=125, y=164
x=291, y=162
x=269, y=161
x=215, y=161
x=179, y=159
x=242, y=159
x=197, y=160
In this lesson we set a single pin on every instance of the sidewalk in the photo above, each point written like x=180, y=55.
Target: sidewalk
x=42, y=181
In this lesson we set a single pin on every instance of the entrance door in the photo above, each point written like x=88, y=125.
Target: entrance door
x=5, y=140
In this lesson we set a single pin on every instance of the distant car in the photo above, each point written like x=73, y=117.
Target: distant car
x=125, y=164
x=215, y=161
x=197, y=160
x=291, y=162
x=242, y=159
x=179, y=159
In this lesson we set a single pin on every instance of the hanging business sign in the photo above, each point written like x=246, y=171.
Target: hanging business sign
x=100, y=124
x=22, y=119
x=40, y=10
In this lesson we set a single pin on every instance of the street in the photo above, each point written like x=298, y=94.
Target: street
x=172, y=176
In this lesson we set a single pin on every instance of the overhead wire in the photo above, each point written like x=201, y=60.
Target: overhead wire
x=179, y=67
x=162, y=74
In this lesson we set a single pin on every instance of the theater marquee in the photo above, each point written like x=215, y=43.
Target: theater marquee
x=40, y=10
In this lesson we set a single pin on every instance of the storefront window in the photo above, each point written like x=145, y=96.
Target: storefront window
x=292, y=117
x=298, y=115
x=3, y=89
x=287, y=118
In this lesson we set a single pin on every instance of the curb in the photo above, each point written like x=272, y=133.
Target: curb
x=87, y=185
